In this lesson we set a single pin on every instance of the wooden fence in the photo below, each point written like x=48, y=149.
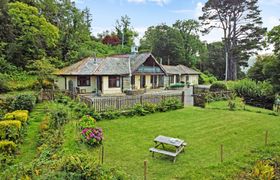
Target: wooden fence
x=101, y=104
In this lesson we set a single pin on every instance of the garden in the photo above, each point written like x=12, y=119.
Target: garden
x=65, y=139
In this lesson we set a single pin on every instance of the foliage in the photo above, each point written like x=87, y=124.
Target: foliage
x=273, y=37
x=237, y=19
x=166, y=43
x=263, y=170
x=218, y=86
x=23, y=102
x=8, y=147
x=177, y=85
x=10, y=130
x=139, y=110
x=87, y=122
x=92, y=136
x=58, y=117
x=150, y=107
x=258, y=94
x=206, y=78
x=110, y=114
x=34, y=34
x=214, y=63
x=20, y=115
x=169, y=104
x=3, y=86
x=266, y=68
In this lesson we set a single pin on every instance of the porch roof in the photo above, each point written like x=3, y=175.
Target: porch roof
x=179, y=69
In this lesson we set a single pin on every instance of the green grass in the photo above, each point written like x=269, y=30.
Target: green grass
x=127, y=141
x=29, y=146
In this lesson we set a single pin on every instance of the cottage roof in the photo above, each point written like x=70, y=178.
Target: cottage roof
x=179, y=69
x=118, y=65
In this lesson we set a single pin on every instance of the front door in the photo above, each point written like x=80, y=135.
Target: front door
x=142, y=81
x=99, y=83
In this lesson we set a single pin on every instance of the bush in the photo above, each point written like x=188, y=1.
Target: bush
x=7, y=147
x=3, y=86
x=169, y=104
x=58, y=118
x=21, y=115
x=139, y=110
x=150, y=107
x=92, y=136
x=177, y=85
x=259, y=94
x=206, y=78
x=24, y=102
x=87, y=122
x=10, y=130
x=218, y=86
x=110, y=114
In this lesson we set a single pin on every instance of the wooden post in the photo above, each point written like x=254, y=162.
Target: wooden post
x=183, y=98
x=102, y=158
x=141, y=99
x=265, y=139
x=145, y=169
x=222, y=153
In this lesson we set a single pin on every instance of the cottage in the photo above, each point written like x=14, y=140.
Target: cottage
x=116, y=74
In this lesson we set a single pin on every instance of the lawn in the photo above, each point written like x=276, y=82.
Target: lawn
x=127, y=141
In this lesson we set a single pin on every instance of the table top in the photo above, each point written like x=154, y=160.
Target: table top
x=169, y=140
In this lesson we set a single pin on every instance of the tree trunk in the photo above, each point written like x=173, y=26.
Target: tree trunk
x=232, y=68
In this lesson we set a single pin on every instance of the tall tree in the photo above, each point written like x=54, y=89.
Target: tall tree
x=193, y=46
x=164, y=42
x=124, y=30
x=242, y=32
x=33, y=36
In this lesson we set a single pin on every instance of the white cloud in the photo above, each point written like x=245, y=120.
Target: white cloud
x=270, y=22
x=270, y=2
x=141, y=32
x=198, y=9
x=137, y=1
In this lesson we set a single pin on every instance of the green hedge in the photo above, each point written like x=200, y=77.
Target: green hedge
x=20, y=115
x=7, y=147
x=10, y=130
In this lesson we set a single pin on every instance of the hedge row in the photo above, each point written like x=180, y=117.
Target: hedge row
x=11, y=127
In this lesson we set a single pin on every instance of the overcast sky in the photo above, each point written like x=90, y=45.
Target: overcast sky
x=145, y=13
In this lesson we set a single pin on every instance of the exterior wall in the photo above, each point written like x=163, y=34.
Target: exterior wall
x=193, y=79
x=106, y=89
x=60, y=81
x=126, y=82
x=148, y=82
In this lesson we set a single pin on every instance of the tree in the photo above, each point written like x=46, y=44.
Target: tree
x=164, y=42
x=34, y=34
x=242, y=32
x=193, y=46
x=111, y=40
x=124, y=31
x=215, y=63
x=274, y=38
x=266, y=68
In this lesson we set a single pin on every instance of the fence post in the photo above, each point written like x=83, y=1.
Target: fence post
x=102, y=158
x=222, y=153
x=183, y=98
x=141, y=99
x=265, y=139
x=145, y=169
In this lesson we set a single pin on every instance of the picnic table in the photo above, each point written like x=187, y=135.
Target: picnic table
x=179, y=145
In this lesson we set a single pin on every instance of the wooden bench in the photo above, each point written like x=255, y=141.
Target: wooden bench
x=155, y=150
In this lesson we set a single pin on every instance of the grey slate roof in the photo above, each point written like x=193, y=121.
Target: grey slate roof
x=179, y=69
x=117, y=65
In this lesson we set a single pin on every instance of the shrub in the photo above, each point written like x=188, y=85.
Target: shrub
x=87, y=122
x=258, y=94
x=177, y=85
x=10, y=130
x=92, y=136
x=110, y=114
x=58, y=118
x=24, y=102
x=21, y=115
x=7, y=147
x=139, y=110
x=206, y=78
x=218, y=86
x=150, y=107
x=3, y=86
x=169, y=104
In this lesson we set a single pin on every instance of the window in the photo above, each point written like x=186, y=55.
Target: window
x=83, y=80
x=114, y=81
x=133, y=80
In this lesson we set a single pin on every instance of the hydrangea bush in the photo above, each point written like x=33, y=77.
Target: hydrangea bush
x=90, y=134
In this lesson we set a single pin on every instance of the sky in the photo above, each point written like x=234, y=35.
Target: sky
x=146, y=13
